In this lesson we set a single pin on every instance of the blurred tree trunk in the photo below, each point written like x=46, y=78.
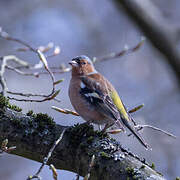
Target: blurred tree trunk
x=33, y=135
x=162, y=35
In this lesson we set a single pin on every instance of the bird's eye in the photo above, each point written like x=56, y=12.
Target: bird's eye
x=83, y=63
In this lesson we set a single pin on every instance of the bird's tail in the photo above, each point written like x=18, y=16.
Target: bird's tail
x=135, y=132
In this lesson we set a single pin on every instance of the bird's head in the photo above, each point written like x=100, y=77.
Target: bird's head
x=82, y=65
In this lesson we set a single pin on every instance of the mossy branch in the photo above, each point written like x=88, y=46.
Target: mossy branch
x=34, y=134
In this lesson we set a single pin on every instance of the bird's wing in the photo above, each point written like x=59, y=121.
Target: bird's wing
x=96, y=93
x=126, y=119
x=101, y=94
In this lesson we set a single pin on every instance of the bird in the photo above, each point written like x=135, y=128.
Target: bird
x=96, y=100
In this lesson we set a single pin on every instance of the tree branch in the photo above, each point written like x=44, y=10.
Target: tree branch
x=162, y=35
x=34, y=134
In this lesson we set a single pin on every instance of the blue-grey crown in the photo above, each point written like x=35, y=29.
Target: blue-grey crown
x=78, y=58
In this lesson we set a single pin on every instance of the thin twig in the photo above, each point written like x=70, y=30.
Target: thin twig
x=5, y=59
x=10, y=38
x=126, y=50
x=47, y=157
x=65, y=111
x=91, y=164
x=44, y=49
x=36, y=74
x=51, y=166
x=136, y=108
x=43, y=59
x=43, y=62
x=56, y=51
x=46, y=98
x=140, y=127
x=27, y=94
x=52, y=97
x=57, y=72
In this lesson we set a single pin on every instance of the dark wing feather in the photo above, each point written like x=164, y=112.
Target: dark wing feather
x=96, y=93
x=103, y=102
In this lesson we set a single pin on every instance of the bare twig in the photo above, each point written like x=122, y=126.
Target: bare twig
x=5, y=59
x=56, y=51
x=140, y=127
x=43, y=61
x=51, y=166
x=67, y=69
x=38, y=95
x=36, y=74
x=126, y=50
x=136, y=108
x=27, y=94
x=65, y=111
x=21, y=72
x=114, y=131
x=47, y=157
x=44, y=49
x=91, y=164
x=36, y=100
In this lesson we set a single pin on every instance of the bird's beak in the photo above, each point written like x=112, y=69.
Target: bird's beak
x=73, y=63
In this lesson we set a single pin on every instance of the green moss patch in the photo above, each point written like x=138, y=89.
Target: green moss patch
x=4, y=102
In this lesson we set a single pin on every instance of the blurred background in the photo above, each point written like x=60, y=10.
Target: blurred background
x=95, y=28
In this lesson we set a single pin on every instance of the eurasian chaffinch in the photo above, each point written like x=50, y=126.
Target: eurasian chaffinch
x=96, y=100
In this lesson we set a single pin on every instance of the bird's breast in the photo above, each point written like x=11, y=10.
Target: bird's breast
x=82, y=106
